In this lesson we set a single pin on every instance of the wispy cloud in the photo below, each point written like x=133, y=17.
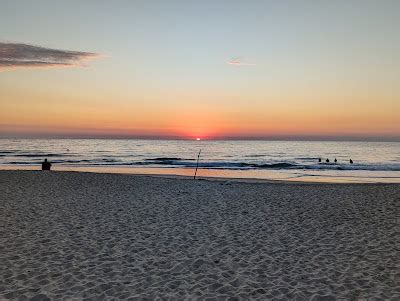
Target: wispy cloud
x=238, y=61
x=19, y=55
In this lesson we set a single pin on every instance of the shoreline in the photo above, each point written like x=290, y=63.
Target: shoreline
x=217, y=174
x=198, y=178
x=202, y=178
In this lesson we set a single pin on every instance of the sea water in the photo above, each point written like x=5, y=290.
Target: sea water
x=282, y=160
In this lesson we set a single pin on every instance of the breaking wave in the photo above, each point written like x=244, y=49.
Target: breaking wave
x=171, y=162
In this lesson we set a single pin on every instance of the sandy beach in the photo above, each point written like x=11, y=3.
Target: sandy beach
x=70, y=235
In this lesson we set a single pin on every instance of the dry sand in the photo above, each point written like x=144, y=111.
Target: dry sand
x=67, y=235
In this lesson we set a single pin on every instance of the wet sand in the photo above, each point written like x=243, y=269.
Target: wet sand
x=69, y=235
x=252, y=175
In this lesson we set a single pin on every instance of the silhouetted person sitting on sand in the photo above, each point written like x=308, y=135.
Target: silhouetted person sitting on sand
x=351, y=161
x=327, y=161
x=46, y=165
x=335, y=160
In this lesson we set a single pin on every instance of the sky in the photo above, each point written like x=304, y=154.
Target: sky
x=209, y=69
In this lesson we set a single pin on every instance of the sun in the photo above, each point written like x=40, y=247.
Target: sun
x=198, y=139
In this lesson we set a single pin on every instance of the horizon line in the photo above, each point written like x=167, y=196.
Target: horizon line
x=349, y=138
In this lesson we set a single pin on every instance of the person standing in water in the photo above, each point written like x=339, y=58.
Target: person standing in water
x=335, y=160
x=46, y=165
x=327, y=160
x=351, y=161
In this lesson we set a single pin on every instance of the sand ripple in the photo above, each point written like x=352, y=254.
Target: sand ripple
x=93, y=236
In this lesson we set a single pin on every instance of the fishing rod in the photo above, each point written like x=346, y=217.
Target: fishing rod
x=197, y=165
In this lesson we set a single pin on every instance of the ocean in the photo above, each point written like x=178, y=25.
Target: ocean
x=274, y=160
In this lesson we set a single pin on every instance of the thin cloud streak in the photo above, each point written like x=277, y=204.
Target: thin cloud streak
x=18, y=55
x=239, y=62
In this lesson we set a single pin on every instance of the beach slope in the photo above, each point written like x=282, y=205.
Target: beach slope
x=102, y=236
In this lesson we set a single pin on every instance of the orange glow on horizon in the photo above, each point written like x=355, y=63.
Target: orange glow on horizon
x=54, y=113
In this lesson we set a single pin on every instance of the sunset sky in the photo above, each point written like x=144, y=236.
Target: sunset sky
x=209, y=69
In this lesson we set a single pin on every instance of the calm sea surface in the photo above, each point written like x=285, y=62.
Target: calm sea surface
x=289, y=160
